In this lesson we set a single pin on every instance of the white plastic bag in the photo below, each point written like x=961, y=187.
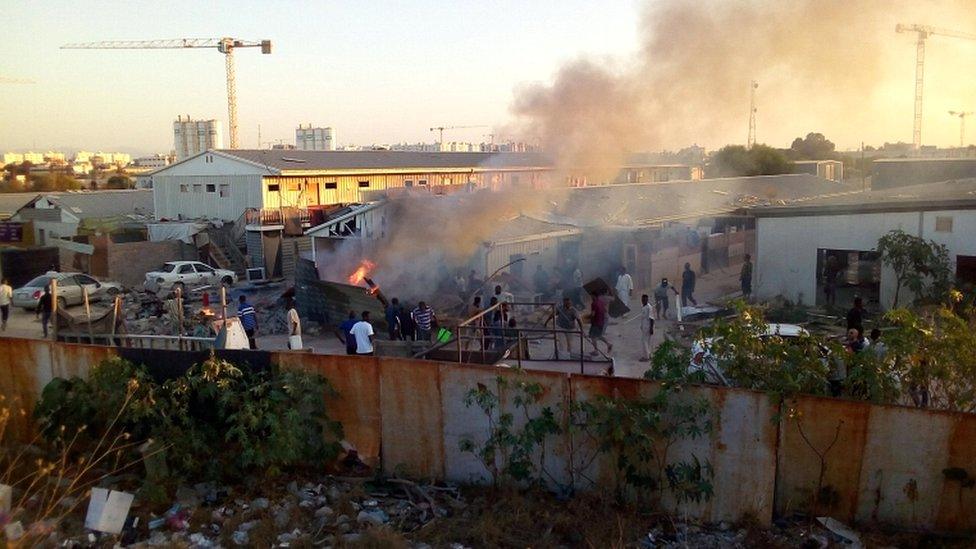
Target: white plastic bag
x=295, y=342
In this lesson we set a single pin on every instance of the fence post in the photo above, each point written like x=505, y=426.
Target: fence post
x=91, y=336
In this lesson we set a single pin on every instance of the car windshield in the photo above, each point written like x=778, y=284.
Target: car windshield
x=38, y=282
x=166, y=268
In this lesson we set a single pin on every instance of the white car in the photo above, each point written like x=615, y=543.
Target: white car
x=183, y=274
x=71, y=288
x=703, y=360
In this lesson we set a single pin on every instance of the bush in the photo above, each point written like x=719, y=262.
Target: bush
x=216, y=420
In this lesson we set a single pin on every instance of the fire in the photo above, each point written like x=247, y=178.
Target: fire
x=362, y=272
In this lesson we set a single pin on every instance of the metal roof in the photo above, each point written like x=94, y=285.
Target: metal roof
x=102, y=204
x=295, y=160
x=947, y=195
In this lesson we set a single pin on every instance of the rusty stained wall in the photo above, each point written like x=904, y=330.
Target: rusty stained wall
x=407, y=415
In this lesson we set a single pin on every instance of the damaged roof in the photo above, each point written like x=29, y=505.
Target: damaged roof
x=100, y=204
x=649, y=204
x=954, y=194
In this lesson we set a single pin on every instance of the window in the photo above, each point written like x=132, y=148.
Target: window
x=408, y=183
x=422, y=182
x=274, y=187
x=331, y=185
x=184, y=188
x=211, y=188
x=364, y=184
x=943, y=224
x=206, y=269
x=197, y=188
x=224, y=190
x=186, y=269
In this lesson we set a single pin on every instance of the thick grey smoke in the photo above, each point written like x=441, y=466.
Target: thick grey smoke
x=816, y=60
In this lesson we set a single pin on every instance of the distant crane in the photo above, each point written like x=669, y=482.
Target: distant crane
x=961, y=115
x=440, y=129
x=224, y=45
x=924, y=31
x=751, y=140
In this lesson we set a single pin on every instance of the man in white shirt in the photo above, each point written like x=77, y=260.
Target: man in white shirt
x=363, y=332
x=625, y=286
x=294, y=327
x=6, y=294
x=646, y=326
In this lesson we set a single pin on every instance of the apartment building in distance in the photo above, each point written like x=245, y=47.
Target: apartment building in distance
x=192, y=137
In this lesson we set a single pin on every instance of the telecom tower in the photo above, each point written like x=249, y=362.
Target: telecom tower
x=752, y=115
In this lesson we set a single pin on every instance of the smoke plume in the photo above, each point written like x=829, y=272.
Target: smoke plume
x=819, y=64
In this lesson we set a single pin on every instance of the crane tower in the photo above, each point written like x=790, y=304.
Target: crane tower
x=924, y=31
x=224, y=45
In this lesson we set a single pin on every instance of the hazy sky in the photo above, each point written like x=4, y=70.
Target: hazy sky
x=377, y=71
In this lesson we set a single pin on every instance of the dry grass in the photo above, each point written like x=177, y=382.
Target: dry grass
x=381, y=537
x=536, y=519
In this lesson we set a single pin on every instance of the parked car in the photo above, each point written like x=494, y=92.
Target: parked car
x=69, y=289
x=703, y=360
x=181, y=274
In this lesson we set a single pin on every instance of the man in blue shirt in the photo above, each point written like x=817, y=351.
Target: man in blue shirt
x=249, y=320
x=345, y=333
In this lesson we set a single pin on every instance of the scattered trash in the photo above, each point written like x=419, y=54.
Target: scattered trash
x=14, y=531
x=107, y=510
x=842, y=530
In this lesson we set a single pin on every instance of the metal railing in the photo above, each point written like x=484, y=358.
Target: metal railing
x=140, y=341
x=477, y=338
x=276, y=216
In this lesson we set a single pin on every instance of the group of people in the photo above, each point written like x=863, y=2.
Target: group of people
x=405, y=324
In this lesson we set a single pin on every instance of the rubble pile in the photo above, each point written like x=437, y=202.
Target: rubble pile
x=325, y=512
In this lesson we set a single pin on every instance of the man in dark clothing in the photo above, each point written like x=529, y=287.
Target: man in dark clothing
x=408, y=329
x=688, y=286
x=745, y=278
x=598, y=323
x=249, y=320
x=44, y=306
x=393, y=319
x=855, y=317
x=661, y=299
x=344, y=333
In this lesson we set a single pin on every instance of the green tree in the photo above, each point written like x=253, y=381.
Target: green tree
x=119, y=182
x=920, y=265
x=814, y=147
x=736, y=160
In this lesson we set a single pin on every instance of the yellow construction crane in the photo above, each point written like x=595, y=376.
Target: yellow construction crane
x=440, y=129
x=224, y=45
x=924, y=31
x=961, y=115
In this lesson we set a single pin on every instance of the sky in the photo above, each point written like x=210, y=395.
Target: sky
x=386, y=71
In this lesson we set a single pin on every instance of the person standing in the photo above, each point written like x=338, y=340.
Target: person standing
x=6, y=295
x=344, y=333
x=362, y=333
x=294, y=326
x=393, y=319
x=504, y=297
x=646, y=327
x=473, y=332
x=624, y=286
x=855, y=317
x=831, y=271
x=598, y=323
x=688, y=286
x=44, y=307
x=249, y=320
x=567, y=319
x=661, y=299
x=423, y=318
x=745, y=278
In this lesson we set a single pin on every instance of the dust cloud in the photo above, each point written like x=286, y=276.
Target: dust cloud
x=820, y=63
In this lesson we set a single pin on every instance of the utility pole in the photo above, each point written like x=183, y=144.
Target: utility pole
x=751, y=140
x=864, y=186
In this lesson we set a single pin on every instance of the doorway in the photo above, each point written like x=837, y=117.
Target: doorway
x=843, y=275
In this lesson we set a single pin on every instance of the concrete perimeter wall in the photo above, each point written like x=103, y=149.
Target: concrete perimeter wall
x=886, y=465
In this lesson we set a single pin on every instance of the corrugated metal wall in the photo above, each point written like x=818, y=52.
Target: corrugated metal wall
x=191, y=196
x=886, y=466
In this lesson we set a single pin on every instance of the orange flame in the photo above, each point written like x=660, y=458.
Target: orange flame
x=362, y=272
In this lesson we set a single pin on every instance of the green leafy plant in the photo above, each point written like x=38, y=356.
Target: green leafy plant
x=215, y=421
x=514, y=449
x=920, y=265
